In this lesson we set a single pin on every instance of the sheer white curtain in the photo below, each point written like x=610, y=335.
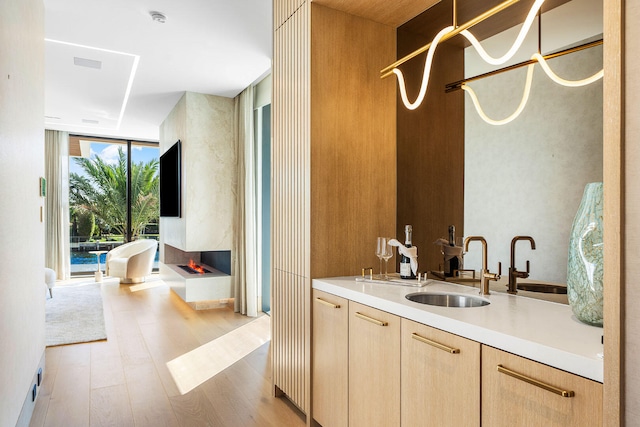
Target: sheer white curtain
x=56, y=152
x=245, y=259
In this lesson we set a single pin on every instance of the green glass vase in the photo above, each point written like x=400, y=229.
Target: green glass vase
x=585, y=263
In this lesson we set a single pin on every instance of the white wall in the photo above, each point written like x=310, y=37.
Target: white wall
x=22, y=292
x=527, y=177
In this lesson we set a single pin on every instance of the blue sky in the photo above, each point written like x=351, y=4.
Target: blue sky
x=109, y=153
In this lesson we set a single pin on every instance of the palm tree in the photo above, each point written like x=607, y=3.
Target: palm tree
x=103, y=192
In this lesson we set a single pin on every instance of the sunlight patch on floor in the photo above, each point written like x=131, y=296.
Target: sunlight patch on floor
x=197, y=366
x=150, y=283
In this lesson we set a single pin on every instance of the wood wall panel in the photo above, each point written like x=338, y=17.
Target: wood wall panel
x=631, y=231
x=431, y=146
x=290, y=281
x=353, y=158
x=614, y=219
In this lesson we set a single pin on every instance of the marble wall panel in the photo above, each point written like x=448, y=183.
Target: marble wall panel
x=205, y=125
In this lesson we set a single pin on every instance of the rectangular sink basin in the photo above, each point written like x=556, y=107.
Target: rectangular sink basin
x=447, y=300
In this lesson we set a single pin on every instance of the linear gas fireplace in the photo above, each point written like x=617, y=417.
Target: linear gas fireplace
x=201, y=279
x=193, y=268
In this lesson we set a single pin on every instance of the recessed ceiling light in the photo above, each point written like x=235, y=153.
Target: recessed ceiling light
x=158, y=16
x=90, y=63
x=89, y=121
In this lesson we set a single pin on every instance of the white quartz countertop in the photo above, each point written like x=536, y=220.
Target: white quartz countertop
x=543, y=331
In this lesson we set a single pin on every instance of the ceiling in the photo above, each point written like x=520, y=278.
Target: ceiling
x=97, y=52
x=393, y=13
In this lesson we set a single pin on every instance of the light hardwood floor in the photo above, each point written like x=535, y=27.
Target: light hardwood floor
x=124, y=381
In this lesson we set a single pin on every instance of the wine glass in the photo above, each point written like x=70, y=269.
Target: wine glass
x=387, y=253
x=380, y=250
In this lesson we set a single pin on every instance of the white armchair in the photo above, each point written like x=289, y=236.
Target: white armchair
x=132, y=261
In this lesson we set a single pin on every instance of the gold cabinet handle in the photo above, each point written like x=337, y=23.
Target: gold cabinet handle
x=435, y=344
x=529, y=380
x=330, y=304
x=371, y=319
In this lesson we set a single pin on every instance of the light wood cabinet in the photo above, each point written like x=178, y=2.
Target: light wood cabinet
x=440, y=377
x=330, y=361
x=374, y=367
x=517, y=391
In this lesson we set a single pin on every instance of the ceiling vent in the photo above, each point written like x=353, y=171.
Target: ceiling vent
x=89, y=63
x=90, y=122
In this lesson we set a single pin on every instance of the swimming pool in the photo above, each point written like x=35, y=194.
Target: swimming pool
x=85, y=262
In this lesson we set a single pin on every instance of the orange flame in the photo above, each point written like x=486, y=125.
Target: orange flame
x=195, y=267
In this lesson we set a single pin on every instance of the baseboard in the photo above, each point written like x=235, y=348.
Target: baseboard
x=30, y=400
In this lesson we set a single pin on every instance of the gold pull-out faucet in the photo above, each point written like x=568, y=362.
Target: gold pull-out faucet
x=512, y=287
x=485, y=274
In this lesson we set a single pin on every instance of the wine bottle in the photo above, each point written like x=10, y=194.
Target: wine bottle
x=451, y=265
x=405, y=261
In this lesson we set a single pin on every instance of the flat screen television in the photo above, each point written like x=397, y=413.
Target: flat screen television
x=170, y=181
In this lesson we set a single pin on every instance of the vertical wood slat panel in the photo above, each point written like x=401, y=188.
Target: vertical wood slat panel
x=290, y=148
x=284, y=9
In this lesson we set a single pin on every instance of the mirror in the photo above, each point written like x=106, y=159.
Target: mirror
x=527, y=177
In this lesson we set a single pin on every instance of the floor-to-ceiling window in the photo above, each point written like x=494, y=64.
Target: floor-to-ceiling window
x=262, y=122
x=264, y=205
x=113, y=197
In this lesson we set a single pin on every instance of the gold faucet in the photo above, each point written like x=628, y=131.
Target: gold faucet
x=485, y=274
x=512, y=287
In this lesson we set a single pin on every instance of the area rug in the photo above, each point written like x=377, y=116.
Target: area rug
x=75, y=315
